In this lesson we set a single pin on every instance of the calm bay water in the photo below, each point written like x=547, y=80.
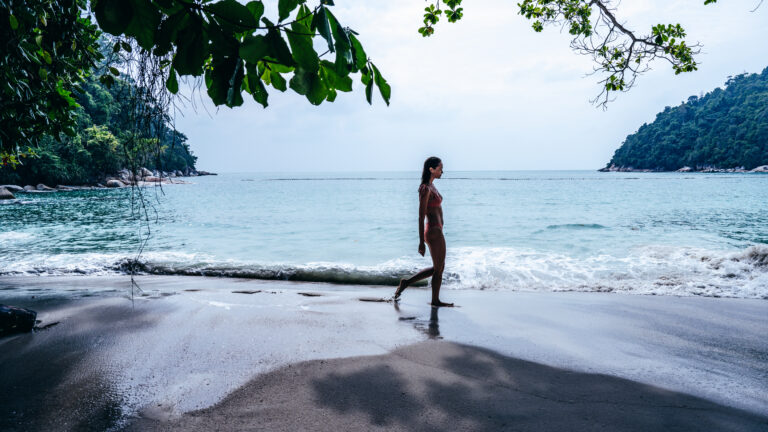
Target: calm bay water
x=660, y=233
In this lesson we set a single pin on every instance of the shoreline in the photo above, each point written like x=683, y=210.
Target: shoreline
x=188, y=343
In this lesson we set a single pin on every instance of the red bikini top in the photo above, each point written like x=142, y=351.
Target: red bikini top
x=434, y=198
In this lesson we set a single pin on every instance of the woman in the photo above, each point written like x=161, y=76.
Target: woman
x=429, y=207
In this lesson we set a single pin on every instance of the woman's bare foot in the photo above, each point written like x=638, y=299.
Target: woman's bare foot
x=441, y=304
x=400, y=288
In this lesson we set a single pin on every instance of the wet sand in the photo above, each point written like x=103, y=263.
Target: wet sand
x=197, y=353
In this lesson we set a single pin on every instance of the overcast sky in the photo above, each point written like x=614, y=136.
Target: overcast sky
x=486, y=93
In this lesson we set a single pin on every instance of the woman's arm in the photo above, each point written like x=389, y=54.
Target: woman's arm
x=424, y=193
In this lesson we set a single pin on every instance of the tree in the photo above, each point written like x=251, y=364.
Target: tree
x=619, y=54
x=724, y=128
x=47, y=49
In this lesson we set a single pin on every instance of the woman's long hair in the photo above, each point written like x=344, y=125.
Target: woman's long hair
x=431, y=162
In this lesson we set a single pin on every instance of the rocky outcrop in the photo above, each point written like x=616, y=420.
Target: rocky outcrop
x=29, y=188
x=42, y=187
x=699, y=169
x=115, y=183
x=5, y=194
x=761, y=168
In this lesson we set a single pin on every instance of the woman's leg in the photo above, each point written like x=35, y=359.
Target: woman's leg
x=405, y=283
x=436, y=243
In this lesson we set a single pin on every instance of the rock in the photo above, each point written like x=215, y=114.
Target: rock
x=205, y=173
x=143, y=172
x=113, y=183
x=685, y=169
x=179, y=173
x=29, y=188
x=761, y=168
x=99, y=185
x=15, y=319
x=5, y=194
x=42, y=187
x=64, y=188
x=13, y=188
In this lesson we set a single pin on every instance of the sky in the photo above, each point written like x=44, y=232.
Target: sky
x=485, y=93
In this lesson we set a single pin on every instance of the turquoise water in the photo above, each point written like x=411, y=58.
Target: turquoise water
x=659, y=233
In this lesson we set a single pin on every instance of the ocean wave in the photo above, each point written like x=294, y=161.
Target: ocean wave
x=657, y=270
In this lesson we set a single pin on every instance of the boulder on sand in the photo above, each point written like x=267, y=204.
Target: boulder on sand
x=5, y=194
x=761, y=168
x=115, y=183
x=15, y=319
x=29, y=188
x=42, y=187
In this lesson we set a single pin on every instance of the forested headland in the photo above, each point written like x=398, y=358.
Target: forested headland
x=726, y=128
x=105, y=141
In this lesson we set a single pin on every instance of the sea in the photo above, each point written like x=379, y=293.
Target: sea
x=679, y=234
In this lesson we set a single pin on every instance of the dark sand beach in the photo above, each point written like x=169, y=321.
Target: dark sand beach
x=193, y=353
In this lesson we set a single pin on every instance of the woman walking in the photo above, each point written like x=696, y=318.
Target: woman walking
x=430, y=202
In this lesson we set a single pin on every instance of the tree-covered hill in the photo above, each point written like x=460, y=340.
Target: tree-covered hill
x=104, y=142
x=726, y=128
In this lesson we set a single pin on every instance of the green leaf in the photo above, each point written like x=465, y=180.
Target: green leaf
x=302, y=46
x=43, y=73
x=320, y=23
x=256, y=8
x=278, y=49
x=168, y=31
x=192, y=49
x=232, y=14
x=278, y=81
x=172, y=84
x=334, y=80
x=114, y=71
x=113, y=16
x=381, y=83
x=254, y=48
x=47, y=57
x=343, y=46
x=369, y=92
x=144, y=23
x=234, y=93
x=284, y=8
x=256, y=86
x=309, y=84
x=14, y=22
x=357, y=48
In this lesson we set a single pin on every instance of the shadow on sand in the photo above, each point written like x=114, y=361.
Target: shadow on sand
x=438, y=386
x=46, y=382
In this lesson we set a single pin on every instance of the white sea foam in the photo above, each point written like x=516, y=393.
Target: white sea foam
x=13, y=236
x=658, y=270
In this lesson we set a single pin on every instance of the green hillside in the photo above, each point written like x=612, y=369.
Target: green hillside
x=726, y=128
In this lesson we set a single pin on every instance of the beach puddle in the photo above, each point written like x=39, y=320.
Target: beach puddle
x=246, y=291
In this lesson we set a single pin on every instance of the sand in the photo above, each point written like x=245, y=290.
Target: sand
x=197, y=353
